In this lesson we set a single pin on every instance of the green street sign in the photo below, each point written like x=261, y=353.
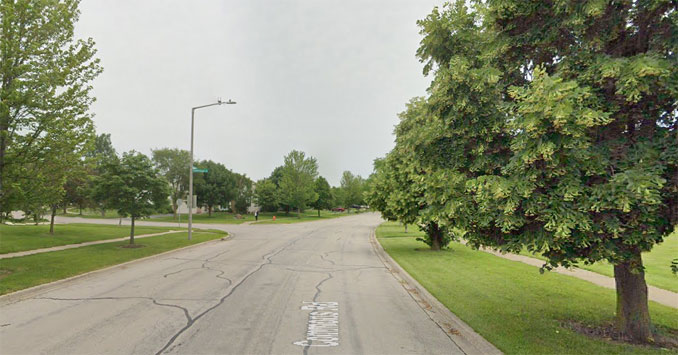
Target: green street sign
x=197, y=170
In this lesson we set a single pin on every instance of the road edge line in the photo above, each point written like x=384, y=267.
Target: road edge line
x=30, y=292
x=461, y=333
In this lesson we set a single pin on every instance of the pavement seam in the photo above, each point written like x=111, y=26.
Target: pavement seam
x=34, y=291
x=461, y=334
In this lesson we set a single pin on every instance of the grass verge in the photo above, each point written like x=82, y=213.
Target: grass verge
x=264, y=217
x=510, y=303
x=32, y=270
x=89, y=213
x=28, y=237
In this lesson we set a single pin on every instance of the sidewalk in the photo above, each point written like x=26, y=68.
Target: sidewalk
x=71, y=246
x=656, y=294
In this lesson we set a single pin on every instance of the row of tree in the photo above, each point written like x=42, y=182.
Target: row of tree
x=296, y=186
x=548, y=126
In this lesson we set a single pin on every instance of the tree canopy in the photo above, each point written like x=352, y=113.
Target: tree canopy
x=45, y=92
x=547, y=126
x=173, y=164
x=266, y=195
x=298, y=175
x=353, y=189
x=324, y=195
x=216, y=187
x=133, y=186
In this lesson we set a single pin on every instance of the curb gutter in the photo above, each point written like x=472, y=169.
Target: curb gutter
x=54, y=285
x=459, y=332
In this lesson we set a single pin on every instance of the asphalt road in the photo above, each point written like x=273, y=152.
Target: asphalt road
x=307, y=288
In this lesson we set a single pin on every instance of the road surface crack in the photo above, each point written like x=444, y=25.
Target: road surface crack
x=315, y=299
x=323, y=257
x=266, y=261
x=153, y=300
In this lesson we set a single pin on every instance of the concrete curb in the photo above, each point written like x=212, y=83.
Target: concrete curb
x=54, y=285
x=459, y=332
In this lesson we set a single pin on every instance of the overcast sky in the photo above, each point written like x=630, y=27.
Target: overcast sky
x=327, y=77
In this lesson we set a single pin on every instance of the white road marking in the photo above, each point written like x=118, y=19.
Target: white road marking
x=323, y=324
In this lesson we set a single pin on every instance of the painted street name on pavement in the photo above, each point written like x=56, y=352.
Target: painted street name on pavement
x=323, y=324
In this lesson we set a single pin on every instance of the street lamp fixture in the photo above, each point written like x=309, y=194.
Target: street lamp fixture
x=190, y=167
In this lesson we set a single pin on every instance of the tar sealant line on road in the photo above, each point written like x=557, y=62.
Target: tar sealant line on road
x=231, y=289
x=31, y=292
x=656, y=294
x=79, y=245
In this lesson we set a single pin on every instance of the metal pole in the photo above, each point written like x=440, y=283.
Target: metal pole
x=190, y=173
x=190, y=181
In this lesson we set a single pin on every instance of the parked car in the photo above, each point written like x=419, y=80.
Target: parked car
x=338, y=209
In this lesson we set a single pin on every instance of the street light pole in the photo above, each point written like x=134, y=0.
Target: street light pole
x=190, y=167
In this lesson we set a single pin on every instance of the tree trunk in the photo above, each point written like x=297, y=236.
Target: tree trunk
x=298, y=212
x=436, y=237
x=209, y=211
x=318, y=212
x=80, y=210
x=405, y=227
x=633, y=316
x=103, y=211
x=131, y=232
x=65, y=207
x=175, y=207
x=51, y=223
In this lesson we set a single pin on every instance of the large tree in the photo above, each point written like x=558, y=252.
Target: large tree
x=353, y=189
x=297, y=183
x=216, y=187
x=243, y=193
x=45, y=91
x=324, y=193
x=266, y=195
x=97, y=159
x=555, y=126
x=133, y=186
x=172, y=164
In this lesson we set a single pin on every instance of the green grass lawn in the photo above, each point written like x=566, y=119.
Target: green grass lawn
x=28, y=237
x=657, y=264
x=306, y=216
x=510, y=303
x=88, y=213
x=264, y=217
x=32, y=270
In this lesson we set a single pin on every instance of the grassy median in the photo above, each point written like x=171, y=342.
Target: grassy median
x=511, y=304
x=20, y=238
x=32, y=270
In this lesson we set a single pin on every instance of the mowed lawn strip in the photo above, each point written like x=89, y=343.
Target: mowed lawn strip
x=307, y=216
x=89, y=213
x=510, y=303
x=32, y=270
x=28, y=237
x=657, y=264
x=264, y=217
